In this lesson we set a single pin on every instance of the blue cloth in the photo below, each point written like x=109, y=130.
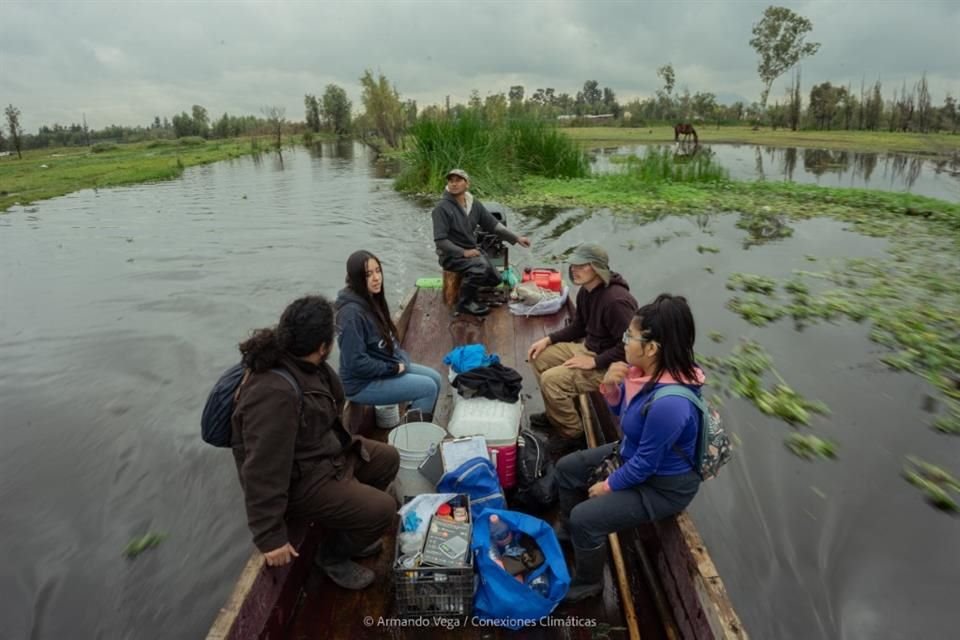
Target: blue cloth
x=418, y=384
x=649, y=437
x=470, y=356
x=364, y=356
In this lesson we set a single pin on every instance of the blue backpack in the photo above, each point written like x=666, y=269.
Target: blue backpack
x=215, y=427
x=477, y=478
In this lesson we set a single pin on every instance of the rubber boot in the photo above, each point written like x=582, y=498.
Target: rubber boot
x=566, y=501
x=588, y=573
x=334, y=559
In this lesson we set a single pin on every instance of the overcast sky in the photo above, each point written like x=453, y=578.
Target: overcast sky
x=125, y=62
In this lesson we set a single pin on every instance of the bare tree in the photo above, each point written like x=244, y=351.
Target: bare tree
x=924, y=109
x=13, y=125
x=276, y=117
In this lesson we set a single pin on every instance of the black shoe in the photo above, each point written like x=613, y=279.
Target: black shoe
x=473, y=307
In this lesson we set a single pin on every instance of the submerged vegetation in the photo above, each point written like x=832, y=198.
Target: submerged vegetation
x=496, y=157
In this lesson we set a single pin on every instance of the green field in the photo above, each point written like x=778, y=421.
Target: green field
x=938, y=144
x=47, y=173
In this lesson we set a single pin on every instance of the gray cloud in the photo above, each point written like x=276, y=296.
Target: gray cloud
x=126, y=62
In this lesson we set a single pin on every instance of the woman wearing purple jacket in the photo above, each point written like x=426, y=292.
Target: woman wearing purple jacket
x=657, y=478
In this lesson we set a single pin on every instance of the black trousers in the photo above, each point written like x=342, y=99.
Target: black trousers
x=591, y=519
x=477, y=272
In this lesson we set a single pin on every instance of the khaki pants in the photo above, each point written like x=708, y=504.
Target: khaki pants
x=560, y=386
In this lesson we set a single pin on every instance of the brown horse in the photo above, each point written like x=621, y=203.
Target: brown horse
x=686, y=130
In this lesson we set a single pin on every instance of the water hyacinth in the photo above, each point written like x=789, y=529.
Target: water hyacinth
x=937, y=484
x=809, y=447
x=141, y=543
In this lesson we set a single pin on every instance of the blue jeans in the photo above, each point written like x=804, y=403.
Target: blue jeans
x=418, y=384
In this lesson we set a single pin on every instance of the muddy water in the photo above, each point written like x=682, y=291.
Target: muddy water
x=118, y=308
x=933, y=177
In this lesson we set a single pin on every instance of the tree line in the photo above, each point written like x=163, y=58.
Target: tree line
x=779, y=39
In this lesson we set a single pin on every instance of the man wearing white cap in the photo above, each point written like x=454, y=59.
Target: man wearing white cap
x=455, y=219
x=566, y=367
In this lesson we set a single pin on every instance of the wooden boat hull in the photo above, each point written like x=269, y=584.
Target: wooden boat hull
x=664, y=585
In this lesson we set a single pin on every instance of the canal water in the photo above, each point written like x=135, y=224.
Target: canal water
x=119, y=308
x=925, y=176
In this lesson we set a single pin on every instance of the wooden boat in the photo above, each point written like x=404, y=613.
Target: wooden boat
x=661, y=582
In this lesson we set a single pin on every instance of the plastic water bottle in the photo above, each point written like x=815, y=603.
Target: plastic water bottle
x=500, y=534
x=541, y=584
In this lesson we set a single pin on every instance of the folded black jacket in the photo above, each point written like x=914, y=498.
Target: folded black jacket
x=495, y=382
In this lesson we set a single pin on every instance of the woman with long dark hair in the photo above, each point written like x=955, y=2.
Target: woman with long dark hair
x=657, y=477
x=373, y=367
x=296, y=459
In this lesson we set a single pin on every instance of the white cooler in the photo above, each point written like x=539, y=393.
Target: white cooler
x=498, y=422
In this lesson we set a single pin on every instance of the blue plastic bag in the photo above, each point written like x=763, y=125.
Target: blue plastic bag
x=500, y=596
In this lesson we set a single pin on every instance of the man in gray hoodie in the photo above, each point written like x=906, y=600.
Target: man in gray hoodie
x=455, y=220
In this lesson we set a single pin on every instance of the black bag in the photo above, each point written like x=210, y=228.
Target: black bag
x=536, y=480
x=610, y=463
x=215, y=423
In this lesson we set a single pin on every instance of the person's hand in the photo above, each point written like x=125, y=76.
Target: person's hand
x=581, y=362
x=616, y=373
x=598, y=489
x=524, y=241
x=537, y=347
x=401, y=368
x=279, y=557
x=471, y=253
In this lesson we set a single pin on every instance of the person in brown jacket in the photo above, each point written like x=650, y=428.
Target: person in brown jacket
x=295, y=458
x=566, y=367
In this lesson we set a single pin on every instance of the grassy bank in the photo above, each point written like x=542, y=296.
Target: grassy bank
x=47, y=173
x=938, y=144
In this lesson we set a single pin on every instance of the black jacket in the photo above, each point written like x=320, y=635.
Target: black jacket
x=450, y=223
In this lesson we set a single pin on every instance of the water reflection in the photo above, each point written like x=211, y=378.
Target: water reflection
x=937, y=178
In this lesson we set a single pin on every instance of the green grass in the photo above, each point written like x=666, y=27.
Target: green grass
x=940, y=144
x=496, y=157
x=47, y=173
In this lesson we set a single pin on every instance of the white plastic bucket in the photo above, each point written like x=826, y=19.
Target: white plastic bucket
x=413, y=441
x=388, y=416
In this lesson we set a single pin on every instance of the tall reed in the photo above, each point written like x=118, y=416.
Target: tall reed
x=496, y=156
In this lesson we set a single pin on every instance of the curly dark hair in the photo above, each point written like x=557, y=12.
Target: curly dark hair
x=669, y=321
x=357, y=283
x=305, y=326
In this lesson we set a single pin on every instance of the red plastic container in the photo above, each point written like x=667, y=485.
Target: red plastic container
x=506, y=463
x=544, y=278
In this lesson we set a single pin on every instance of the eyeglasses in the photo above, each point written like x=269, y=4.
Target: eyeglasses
x=627, y=338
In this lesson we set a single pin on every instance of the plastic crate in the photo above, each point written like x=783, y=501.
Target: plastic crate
x=433, y=591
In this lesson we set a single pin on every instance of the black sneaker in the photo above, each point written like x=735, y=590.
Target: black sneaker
x=473, y=308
